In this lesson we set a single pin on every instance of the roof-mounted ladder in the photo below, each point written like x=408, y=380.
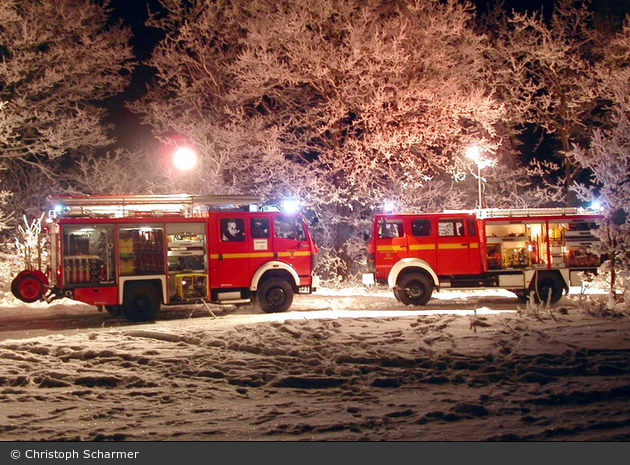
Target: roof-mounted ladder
x=149, y=204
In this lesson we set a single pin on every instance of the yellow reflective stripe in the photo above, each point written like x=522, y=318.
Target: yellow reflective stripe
x=452, y=246
x=236, y=255
x=390, y=248
x=259, y=255
x=422, y=247
x=294, y=254
x=398, y=248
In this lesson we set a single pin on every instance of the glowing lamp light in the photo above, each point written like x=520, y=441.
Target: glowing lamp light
x=58, y=209
x=184, y=159
x=474, y=153
x=389, y=207
x=596, y=205
x=290, y=206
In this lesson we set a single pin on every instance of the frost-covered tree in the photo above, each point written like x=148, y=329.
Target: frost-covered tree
x=102, y=173
x=544, y=71
x=59, y=61
x=608, y=158
x=5, y=216
x=342, y=103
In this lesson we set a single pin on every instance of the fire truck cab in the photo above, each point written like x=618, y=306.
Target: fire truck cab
x=544, y=251
x=131, y=254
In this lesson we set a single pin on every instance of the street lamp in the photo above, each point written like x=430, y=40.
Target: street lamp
x=389, y=207
x=474, y=153
x=184, y=159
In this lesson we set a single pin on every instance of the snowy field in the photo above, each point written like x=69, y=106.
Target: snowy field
x=340, y=366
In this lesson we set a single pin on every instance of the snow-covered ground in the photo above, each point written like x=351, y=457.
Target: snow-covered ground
x=340, y=365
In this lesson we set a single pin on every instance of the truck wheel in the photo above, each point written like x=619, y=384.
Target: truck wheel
x=414, y=289
x=141, y=303
x=274, y=295
x=29, y=286
x=548, y=284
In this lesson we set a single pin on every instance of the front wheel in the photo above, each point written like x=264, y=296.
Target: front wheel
x=414, y=289
x=141, y=303
x=274, y=295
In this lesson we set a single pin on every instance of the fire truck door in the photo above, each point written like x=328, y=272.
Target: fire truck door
x=421, y=239
x=453, y=247
x=290, y=244
x=260, y=242
x=475, y=247
x=391, y=244
x=230, y=264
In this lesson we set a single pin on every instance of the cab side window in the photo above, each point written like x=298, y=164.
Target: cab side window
x=285, y=227
x=389, y=229
x=232, y=229
x=451, y=227
x=421, y=227
x=259, y=228
x=301, y=232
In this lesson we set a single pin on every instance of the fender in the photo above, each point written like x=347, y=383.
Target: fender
x=529, y=276
x=566, y=276
x=410, y=263
x=273, y=265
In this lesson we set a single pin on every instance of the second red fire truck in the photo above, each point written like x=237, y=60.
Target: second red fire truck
x=544, y=251
x=131, y=254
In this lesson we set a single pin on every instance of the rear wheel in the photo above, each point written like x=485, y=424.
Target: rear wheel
x=141, y=303
x=414, y=289
x=548, y=286
x=274, y=295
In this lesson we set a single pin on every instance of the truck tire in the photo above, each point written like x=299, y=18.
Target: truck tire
x=546, y=283
x=414, y=289
x=274, y=295
x=141, y=302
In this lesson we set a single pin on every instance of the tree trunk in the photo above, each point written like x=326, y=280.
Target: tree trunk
x=342, y=235
x=569, y=168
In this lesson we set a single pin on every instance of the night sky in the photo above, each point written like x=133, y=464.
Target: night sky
x=130, y=132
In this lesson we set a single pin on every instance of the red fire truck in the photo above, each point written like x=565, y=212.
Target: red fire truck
x=543, y=251
x=133, y=253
